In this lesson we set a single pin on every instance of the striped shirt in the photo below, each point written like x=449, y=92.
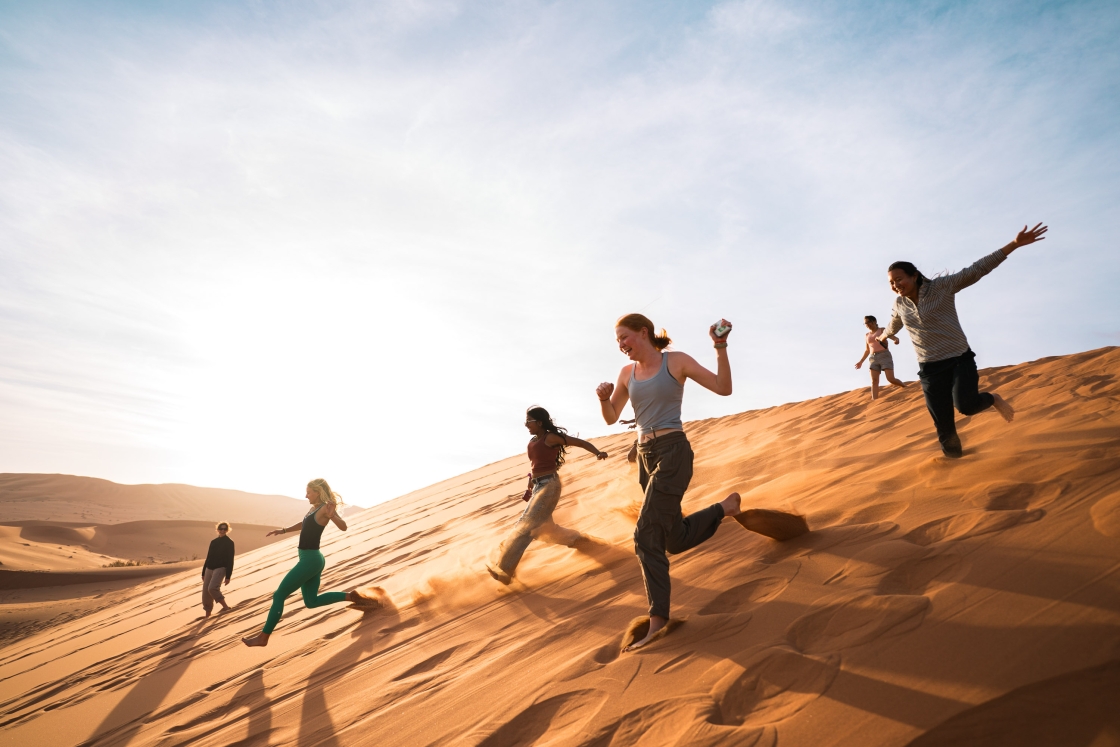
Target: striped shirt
x=935, y=331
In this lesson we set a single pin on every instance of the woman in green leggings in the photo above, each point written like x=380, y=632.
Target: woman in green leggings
x=305, y=576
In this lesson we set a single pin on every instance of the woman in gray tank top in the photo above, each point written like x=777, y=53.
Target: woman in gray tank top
x=654, y=382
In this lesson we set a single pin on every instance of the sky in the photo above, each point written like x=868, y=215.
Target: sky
x=244, y=245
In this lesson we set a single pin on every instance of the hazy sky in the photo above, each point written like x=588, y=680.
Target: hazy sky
x=248, y=244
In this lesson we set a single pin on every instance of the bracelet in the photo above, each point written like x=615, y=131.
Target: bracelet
x=605, y=400
x=719, y=345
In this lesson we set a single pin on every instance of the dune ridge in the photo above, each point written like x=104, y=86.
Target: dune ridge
x=933, y=602
x=72, y=498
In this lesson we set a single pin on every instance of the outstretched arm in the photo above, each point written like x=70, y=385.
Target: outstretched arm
x=285, y=530
x=613, y=397
x=969, y=275
x=1025, y=237
x=553, y=439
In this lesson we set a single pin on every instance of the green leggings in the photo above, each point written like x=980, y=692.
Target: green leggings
x=305, y=577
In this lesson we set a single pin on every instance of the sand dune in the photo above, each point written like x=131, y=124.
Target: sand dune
x=42, y=545
x=934, y=602
x=89, y=500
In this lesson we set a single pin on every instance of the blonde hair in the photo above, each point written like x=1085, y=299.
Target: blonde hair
x=637, y=321
x=323, y=490
x=226, y=524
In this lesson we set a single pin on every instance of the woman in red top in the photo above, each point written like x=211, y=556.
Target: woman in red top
x=546, y=454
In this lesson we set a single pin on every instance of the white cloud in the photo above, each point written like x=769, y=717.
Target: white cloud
x=249, y=246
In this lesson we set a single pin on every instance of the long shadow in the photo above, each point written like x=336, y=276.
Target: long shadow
x=316, y=726
x=253, y=695
x=126, y=719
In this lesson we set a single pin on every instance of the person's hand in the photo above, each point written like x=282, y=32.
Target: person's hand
x=712, y=331
x=1029, y=237
x=859, y=364
x=604, y=390
x=275, y=531
x=226, y=582
x=600, y=455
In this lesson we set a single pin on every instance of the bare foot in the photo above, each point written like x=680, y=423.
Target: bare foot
x=499, y=575
x=730, y=507
x=225, y=608
x=1003, y=407
x=655, y=624
x=261, y=639
x=206, y=614
x=358, y=599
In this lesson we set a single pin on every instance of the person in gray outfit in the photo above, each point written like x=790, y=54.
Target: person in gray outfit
x=217, y=569
x=654, y=382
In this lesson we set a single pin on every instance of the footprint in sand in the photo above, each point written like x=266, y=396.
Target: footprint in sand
x=857, y=621
x=1016, y=496
x=1106, y=515
x=560, y=717
x=684, y=720
x=772, y=686
x=971, y=524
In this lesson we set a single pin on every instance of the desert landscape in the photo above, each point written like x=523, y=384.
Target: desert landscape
x=934, y=602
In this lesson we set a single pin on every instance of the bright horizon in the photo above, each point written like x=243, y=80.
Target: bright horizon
x=243, y=249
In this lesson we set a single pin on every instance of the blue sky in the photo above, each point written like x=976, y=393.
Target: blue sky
x=245, y=245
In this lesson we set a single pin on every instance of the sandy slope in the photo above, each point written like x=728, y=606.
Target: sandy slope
x=935, y=603
x=89, y=500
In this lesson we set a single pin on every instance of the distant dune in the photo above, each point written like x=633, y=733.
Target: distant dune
x=68, y=498
x=43, y=545
x=934, y=603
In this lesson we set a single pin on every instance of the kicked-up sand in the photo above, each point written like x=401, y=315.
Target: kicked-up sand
x=933, y=602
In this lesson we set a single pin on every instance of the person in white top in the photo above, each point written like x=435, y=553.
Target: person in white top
x=881, y=359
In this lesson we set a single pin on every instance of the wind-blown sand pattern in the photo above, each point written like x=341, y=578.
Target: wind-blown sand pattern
x=934, y=602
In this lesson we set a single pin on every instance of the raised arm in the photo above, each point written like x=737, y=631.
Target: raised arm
x=718, y=382
x=969, y=275
x=553, y=439
x=613, y=397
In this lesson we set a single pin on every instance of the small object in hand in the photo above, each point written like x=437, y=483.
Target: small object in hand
x=722, y=328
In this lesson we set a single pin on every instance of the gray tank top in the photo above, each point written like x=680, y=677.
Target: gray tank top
x=657, y=400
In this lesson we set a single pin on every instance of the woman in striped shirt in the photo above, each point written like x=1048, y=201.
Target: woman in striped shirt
x=946, y=364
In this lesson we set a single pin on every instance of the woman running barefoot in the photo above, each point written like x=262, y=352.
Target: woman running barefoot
x=946, y=364
x=546, y=454
x=881, y=359
x=654, y=382
x=305, y=576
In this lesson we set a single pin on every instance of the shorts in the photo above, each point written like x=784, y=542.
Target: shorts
x=881, y=361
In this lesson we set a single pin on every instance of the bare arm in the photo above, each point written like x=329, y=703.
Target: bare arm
x=613, y=397
x=331, y=512
x=892, y=337
x=866, y=352
x=285, y=530
x=554, y=440
x=718, y=382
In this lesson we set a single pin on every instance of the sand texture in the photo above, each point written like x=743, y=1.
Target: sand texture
x=933, y=602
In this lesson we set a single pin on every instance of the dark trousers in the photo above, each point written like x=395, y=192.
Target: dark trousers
x=949, y=382
x=664, y=471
